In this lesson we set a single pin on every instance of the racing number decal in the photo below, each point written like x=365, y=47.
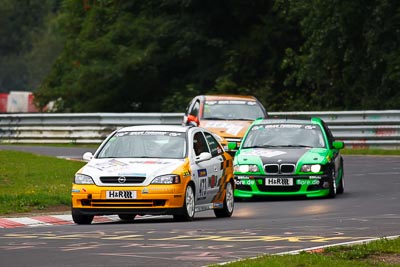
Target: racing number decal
x=203, y=188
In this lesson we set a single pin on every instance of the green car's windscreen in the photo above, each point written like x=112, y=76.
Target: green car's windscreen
x=278, y=135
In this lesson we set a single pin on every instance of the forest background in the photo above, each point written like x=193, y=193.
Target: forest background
x=155, y=55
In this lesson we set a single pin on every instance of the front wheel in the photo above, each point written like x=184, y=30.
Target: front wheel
x=188, y=208
x=229, y=203
x=332, y=185
x=80, y=218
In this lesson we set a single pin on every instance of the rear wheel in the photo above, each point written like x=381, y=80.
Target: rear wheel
x=188, y=208
x=229, y=203
x=340, y=188
x=80, y=218
x=127, y=217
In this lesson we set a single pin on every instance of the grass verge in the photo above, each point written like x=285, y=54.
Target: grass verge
x=383, y=252
x=30, y=182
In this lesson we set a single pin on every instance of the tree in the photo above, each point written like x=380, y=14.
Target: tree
x=349, y=59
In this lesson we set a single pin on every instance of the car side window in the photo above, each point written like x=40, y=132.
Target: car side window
x=199, y=144
x=329, y=134
x=195, y=109
x=215, y=147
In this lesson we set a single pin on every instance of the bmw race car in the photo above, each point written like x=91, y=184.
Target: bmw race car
x=154, y=170
x=289, y=157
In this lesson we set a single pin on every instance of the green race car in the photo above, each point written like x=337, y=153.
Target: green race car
x=288, y=157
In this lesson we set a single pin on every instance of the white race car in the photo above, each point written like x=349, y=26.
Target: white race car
x=154, y=170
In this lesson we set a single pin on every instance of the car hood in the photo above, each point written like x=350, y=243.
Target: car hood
x=227, y=128
x=281, y=155
x=139, y=167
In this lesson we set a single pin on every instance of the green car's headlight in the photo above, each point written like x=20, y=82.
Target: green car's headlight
x=246, y=168
x=167, y=179
x=311, y=168
x=83, y=179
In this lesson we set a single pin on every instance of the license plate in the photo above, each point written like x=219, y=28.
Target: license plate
x=279, y=181
x=120, y=194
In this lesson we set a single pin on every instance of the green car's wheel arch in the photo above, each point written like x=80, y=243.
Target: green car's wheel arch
x=229, y=203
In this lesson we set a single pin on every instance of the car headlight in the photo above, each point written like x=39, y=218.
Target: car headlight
x=311, y=168
x=246, y=168
x=167, y=179
x=83, y=179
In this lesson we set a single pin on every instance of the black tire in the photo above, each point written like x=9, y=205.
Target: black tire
x=188, y=209
x=332, y=185
x=229, y=203
x=340, y=188
x=127, y=217
x=80, y=218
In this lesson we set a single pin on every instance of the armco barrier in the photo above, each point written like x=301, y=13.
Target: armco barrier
x=358, y=129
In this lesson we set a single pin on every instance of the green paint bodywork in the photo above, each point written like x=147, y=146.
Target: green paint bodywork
x=250, y=184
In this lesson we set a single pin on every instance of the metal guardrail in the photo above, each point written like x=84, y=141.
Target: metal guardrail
x=358, y=129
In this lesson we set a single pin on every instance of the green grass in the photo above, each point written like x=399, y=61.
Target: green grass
x=31, y=182
x=383, y=252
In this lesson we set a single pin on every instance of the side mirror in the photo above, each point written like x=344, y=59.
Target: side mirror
x=338, y=144
x=203, y=156
x=192, y=120
x=87, y=156
x=232, y=145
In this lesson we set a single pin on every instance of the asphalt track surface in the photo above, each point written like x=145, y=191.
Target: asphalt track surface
x=368, y=209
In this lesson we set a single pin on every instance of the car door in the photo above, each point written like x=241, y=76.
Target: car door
x=202, y=171
x=336, y=152
x=214, y=178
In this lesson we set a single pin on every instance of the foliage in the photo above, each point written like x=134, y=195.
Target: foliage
x=152, y=56
x=24, y=32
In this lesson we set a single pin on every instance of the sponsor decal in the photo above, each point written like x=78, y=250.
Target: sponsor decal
x=145, y=190
x=111, y=164
x=150, y=162
x=202, y=172
x=152, y=133
x=186, y=173
x=202, y=188
x=264, y=153
x=245, y=182
x=75, y=191
x=131, y=174
x=231, y=128
x=218, y=205
x=307, y=182
x=212, y=181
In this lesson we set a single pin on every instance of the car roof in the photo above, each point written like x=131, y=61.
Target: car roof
x=164, y=127
x=229, y=97
x=288, y=120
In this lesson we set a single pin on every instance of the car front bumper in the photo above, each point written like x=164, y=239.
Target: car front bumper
x=153, y=199
x=248, y=186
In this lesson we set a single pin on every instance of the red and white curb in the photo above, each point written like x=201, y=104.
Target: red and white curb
x=48, y=220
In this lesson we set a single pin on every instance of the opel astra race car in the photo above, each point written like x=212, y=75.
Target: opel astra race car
x=155, y=170
x=228, y=116
x=289, y=157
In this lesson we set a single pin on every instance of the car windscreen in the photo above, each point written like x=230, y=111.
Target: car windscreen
x=232, y=110
x=284, y=135
x=145, y=144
